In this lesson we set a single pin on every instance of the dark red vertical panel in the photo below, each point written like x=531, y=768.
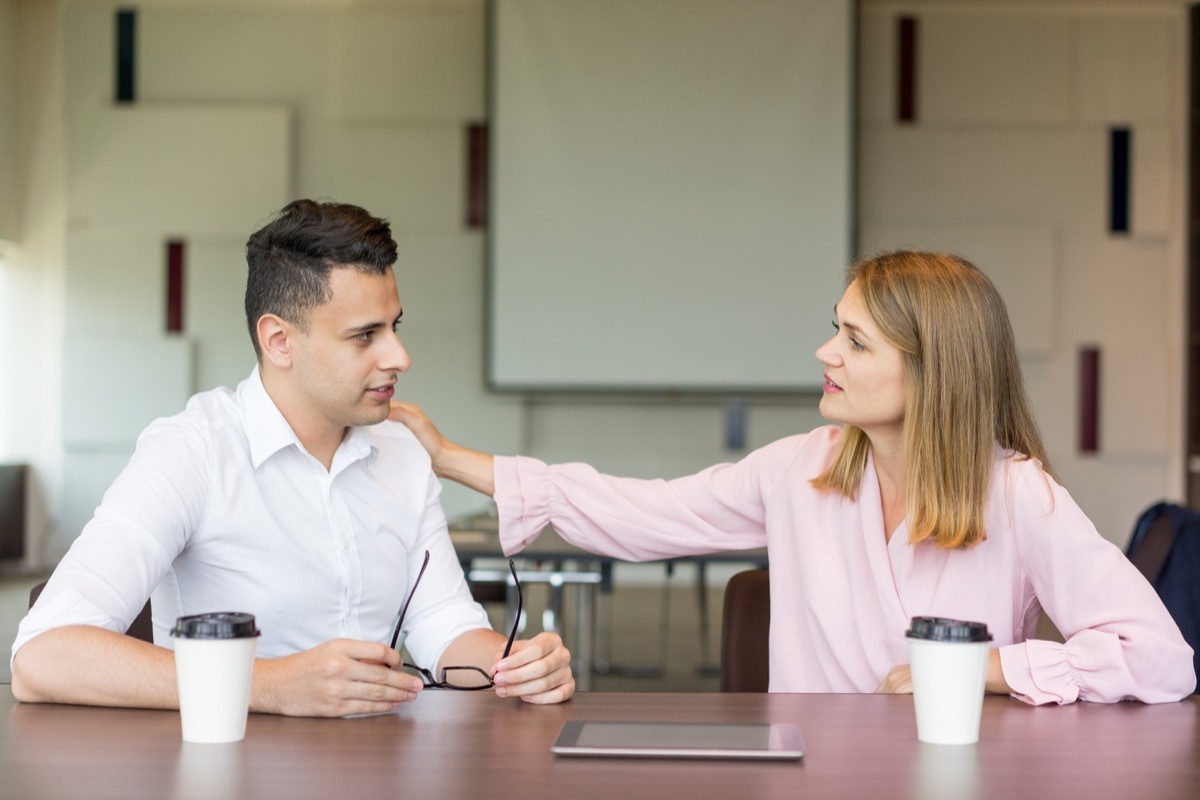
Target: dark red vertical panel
x=906, y=69
x=175, y=254
x=1089, y=399
x=477, y=175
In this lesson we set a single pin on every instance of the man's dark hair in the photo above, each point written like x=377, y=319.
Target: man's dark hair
x=290, y=257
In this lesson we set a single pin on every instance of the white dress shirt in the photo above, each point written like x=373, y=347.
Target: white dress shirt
x=222, y=509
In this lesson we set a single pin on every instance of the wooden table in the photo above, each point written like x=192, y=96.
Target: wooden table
x=473, y=745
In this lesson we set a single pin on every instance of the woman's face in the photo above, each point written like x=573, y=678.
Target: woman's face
x=864, y=373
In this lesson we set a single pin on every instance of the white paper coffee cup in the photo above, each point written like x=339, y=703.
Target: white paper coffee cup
x=214, y=660
x=948, y=659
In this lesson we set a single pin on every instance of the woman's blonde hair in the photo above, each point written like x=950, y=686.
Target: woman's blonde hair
x=963, y=386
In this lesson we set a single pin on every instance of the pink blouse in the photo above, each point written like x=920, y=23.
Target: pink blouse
x=842, y=595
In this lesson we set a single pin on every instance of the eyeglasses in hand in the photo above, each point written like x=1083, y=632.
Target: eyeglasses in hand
x=463, y=678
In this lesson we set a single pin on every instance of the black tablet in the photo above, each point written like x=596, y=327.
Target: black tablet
x=767, y=740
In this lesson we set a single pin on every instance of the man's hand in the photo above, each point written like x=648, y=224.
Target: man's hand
x=538, y=670
x=337, y=678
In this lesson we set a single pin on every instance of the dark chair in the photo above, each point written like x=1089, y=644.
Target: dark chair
x=141, y=628
x=1165, y=547
x=745, y=630
x=1153, y=537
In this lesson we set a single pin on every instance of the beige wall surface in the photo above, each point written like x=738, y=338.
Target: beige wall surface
x=243, y=106
x=9, y=60
x=31, y=289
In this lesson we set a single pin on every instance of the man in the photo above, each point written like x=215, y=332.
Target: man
x=287, y=499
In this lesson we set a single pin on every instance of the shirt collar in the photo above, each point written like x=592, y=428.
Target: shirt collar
x=268, y=432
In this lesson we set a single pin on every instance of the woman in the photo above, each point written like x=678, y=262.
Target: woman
x=934, y=497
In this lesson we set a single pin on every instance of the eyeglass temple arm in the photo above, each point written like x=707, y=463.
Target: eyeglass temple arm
x=397, y=637
x=520, y=606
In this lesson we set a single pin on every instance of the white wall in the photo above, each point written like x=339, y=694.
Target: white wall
x=8, y=189
x=368, y=105
x=31, y=317
x=1008, y=163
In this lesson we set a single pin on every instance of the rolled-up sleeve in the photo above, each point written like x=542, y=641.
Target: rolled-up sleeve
x=142, y=523
x=442, y=608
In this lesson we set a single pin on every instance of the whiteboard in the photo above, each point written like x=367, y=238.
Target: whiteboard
x=671, y=192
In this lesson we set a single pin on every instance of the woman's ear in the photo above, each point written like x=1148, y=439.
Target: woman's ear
x=275, y=340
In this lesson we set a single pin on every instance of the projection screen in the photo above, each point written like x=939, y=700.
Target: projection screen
x=671, y=192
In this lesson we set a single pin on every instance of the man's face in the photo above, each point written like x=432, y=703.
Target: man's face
x=347, y=363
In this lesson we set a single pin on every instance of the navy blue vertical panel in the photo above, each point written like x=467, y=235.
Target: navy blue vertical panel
x=906, y=69
x=126, y=55
x=1089, y=399
x=1120, y=165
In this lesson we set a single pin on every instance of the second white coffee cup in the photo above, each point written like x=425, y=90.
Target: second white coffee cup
x=948, y=659
x=214, y=661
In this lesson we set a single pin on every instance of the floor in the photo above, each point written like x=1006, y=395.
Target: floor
x=644, y=654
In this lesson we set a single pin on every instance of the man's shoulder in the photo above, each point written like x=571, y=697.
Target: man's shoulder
x=395, y=441
x=207, y=413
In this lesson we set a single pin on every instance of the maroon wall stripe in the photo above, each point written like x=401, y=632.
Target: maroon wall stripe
x=906, y=69
x=477, y=175
x=1089, y=399
x=175, y=255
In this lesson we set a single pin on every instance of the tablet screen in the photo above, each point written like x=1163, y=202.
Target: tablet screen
x=680, y=740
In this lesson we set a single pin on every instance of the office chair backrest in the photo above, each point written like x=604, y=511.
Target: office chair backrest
x=745, y=632
x=1165, y=547
x=141, y=628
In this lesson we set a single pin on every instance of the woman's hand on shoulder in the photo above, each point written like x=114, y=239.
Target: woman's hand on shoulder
x=412, y=417
x=449, y=460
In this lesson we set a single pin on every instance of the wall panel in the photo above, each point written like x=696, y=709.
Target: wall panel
x=116, y=386
x=1021, y=261
x=182, y=169
x=1127, y=70
x=9, y=62
x=409, y=65
x=996, y=68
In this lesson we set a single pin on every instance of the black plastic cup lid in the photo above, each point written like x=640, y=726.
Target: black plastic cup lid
x=936, y=629
x=216, y=625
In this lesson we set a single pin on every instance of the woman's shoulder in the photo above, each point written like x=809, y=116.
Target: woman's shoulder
x=811, y=450
x=1023, y=484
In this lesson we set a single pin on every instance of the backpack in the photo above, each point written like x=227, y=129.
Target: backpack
x=1165, y=546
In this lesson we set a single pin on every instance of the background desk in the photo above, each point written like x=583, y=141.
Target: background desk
x=562, y=564
x=451, y=745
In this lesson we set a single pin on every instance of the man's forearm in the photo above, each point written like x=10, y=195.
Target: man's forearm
x=85, y=665
x=477, y=648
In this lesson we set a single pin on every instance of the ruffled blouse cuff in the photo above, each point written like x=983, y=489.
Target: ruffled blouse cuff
x=520, y=482
x=1039, y=672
